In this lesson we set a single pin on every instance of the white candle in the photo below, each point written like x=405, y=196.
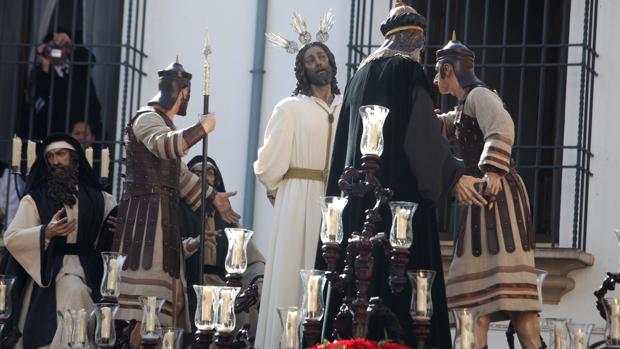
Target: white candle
x=580, y=339
x=2, y=297
x=421, y=305
x=106, y=321
x=332, y=220
x=17, y=153
x=112, y=275
x=291, y=330
x=105, y=162
x=237, y=252
x=558, y=335
x=207, y=304
x=150, y=315
x=89, y=155
x=313, y=294
x=402, y=221
x=467, y=333
x=615, y=319
x=31, y=154
x=225, y=297
x=68, y=324
x=168, y=342
x=373, y=133
x=81, y=326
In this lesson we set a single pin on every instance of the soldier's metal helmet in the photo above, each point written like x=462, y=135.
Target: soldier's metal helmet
x=172, y=80
x=462, y=60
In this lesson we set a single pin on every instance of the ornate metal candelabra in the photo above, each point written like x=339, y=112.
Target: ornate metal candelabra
x=353, y=317
x=217, y=306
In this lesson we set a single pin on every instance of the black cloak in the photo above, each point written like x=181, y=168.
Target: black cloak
x=416, y=164
x=40, y=324
x=191, y=226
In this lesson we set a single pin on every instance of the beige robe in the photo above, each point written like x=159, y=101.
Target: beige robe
x=296, y=136
x=22, y=240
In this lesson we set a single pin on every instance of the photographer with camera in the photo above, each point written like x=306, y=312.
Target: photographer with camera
x=61, y=90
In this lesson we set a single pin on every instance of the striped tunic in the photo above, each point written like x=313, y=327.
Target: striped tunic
x=493, y=265
x=143, y=216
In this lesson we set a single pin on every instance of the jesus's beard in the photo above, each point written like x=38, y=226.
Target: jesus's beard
x=62, y=184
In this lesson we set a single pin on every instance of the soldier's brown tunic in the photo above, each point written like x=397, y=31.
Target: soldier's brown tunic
x=493, y=266
x=148, y=214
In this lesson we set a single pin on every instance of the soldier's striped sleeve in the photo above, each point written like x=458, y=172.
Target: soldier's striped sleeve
x=163, y=141
x=189, y=187
x=497, y=127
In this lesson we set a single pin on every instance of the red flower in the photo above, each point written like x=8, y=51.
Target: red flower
x=360, y=343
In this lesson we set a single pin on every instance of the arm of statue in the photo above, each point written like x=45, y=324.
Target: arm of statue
x=274, y=156
x=165, y=143
x=24, y=238
x=498, y=130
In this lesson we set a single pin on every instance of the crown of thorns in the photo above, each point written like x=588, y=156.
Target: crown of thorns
x=301, y=28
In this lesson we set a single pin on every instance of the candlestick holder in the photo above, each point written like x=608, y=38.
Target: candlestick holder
x=399, y=257
x=579, y=335
x=612, y=328
x=65, y=321
x=331, y=254
x=150, y=327
x=76, y=322
x=203, y=339
x=313, y=282
x=171, y=338
x=465, y=334
x=421, y=300
x=331, y=225
x=236, y=261
x=105, y=332
x=112, y=268
x=557, y=331
x=311, y=332
x=226, y=312
x=237, y=258
x=6, y=304
x=289, y=319
x=401, y=232
x=224, y=340
x=373, y=118
x=207, y=306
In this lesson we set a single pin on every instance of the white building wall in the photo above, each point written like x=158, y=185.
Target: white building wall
x=603, y=215
x=603, y=209
x=178, y=27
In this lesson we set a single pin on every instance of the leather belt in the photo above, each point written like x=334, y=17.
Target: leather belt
x=306, y=173
x=142, y=188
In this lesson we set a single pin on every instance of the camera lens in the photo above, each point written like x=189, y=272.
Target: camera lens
x=56, y=53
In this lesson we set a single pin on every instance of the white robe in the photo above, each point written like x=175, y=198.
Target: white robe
x=296, y=136
x=22, y=240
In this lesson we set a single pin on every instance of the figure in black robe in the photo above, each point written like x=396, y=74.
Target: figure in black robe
x=416, y=164
x=215, y=255
x=92, y=206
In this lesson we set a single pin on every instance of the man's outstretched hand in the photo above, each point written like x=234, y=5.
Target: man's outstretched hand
x=222, y=204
